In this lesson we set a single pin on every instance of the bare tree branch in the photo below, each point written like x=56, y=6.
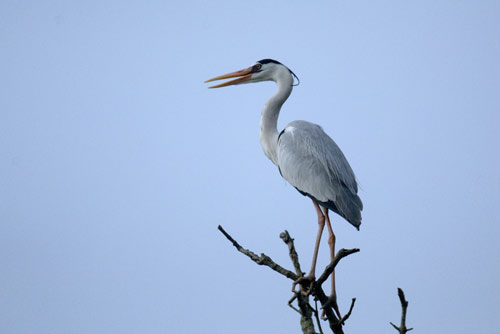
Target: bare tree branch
x=329, y=268
x=404, y=305
x=316, y=315
x=333, y=321
x=317, y=290
x=290, y=303
x=306, y=311
x=263, y=259
x=348, y=314
x=304, y=308
x=285, y=236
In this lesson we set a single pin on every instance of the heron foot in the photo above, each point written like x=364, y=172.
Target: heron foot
x=332, y=302
x=307, y=283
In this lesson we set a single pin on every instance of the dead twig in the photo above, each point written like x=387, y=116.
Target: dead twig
x=404, y=305
x=263, y=259
x=348, y=314
x=306, y=310
x=287, y=239
x=290, y=303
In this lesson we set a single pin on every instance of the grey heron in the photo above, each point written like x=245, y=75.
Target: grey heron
x=305, y=156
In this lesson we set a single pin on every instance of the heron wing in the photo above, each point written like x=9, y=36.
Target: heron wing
x=311, y=161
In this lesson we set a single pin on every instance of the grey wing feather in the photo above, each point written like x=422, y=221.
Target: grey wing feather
x=311, y=161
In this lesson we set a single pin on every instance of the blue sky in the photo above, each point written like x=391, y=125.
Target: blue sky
x=117, y=163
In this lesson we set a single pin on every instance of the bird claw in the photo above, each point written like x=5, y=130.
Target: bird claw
x=307, y=283
x=332, y=302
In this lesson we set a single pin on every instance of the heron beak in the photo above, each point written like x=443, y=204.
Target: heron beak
x=243, y=75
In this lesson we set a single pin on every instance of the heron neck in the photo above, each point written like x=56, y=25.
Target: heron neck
x=269, y=117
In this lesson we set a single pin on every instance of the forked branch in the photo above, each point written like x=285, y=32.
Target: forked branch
x=304, y=308
x=404, y=305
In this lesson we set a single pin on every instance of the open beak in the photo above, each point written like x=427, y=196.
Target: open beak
x=243, y=75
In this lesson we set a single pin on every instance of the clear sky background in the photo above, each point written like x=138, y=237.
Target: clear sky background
x=117, y=163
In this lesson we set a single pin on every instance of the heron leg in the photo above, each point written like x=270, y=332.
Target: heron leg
x=321, y=225
x=331, y=243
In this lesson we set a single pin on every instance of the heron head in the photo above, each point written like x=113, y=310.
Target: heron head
x=263, y=70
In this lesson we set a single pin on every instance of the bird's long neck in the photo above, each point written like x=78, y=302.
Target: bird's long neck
x=269, y=116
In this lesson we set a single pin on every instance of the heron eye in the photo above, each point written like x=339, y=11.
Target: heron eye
x=256, y=68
